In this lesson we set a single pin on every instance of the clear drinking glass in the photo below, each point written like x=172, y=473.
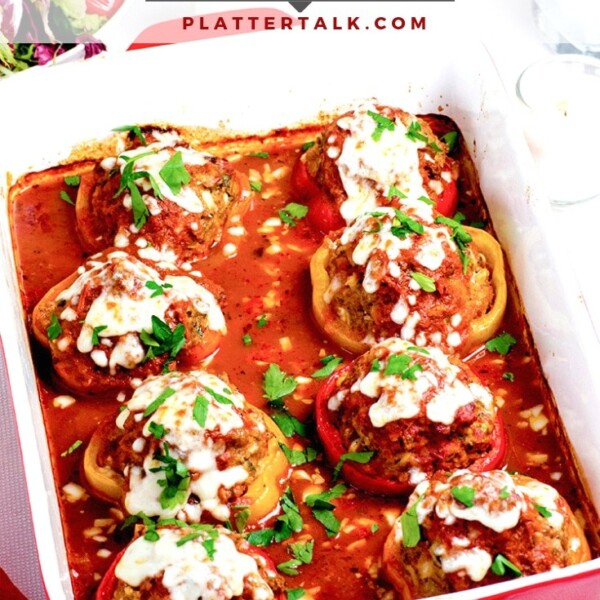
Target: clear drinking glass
x=560, y=97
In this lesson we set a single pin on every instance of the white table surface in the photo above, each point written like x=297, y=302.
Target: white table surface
x=507, y=29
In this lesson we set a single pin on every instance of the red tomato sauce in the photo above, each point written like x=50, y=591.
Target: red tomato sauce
x=268, y=278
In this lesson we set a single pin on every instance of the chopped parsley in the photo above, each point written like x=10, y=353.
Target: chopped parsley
x=504, y=493
x=307, y=146
x=434, y=146
x=288, y=424
x=382, y=124
x=427, y=200
x=256, y=186
x=502, y=566
x=403, y=225
x=329, y=362
x=246, y=339
x=74, y=447
x=66, y=198
x=399, y=364
x=417, y=349
x=450, y=139
x=375, y=366
x=394, y=192
x=303, y=555
x=174, y=173
x=298, y=457
x=414, y=132
x=464, y=494
x=360, y=457
x=218, y=397
x=460, y=236
x=501, y=344
x=285, y=525
x=200, y=410
x=188, y=538
x=72, y=180
x=176, y=482
x=157, y=288
x=156, y=429
x=153, y=406
x=262, y=321
x=543, y=511
x=209, y=546
x=54, y=330
x=295, y=593
x=95, y=332
x=162, y=340
x=508, y=376
x=374, y=528
x=277, y=384
x=259, y=154
x=292, y=212
x=409, y=521
x=426, y=283
x=135, y=129
x=241, y=518
x=289, y=567
x=322, y=499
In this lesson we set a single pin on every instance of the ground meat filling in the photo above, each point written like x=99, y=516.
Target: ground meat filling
x=111, y=320
x=398, y=272
x=182, y=214
x=365, y=153
x=416, y=409
x=213, y=563
x=202, y=439
x=478, y=529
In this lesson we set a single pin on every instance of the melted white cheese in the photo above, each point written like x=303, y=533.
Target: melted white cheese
x=187, y=572
x=368, y=168
x=546, y=496
x=475, y=562
x=193, y=445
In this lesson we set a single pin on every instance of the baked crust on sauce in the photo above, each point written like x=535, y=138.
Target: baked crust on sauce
x=233, y=459
x=360, y=304
x=233, y=566
x=417, y=410
x=353, y=184
x=523, y=520
x=183, y=226
x=112, y=288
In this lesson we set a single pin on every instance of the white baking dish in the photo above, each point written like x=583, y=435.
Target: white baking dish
x=251, y=83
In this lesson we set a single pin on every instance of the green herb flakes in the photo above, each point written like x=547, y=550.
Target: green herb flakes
x=502, y=344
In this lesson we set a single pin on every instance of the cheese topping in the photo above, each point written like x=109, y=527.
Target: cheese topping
x=125, y=306
x=546, y=496
x=152, y=163
x=187, y=572
x=195, y=446
x=436, y=390
x=368, y=168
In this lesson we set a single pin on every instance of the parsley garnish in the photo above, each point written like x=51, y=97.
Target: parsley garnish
x=176, y=482
x=460, y=236
x=329, y=364
x=464, y=494
x=218, y=397
x=156, y=429
x=241, y=518
x=256, y=186
x=288, y=424
x=426, y=200
x=394, y=192
x=375, y=366
x=262, y=321
x=291, y=212
x=157, y=288
x=151, y=408
x=135, y=129
x=322, y=508
x=360, y=457
x=277, y=384
x=259, y=154
x=374, y=528
x=382, y=124
x=295, y=593
x=426, y=283
x=66, y=198
x=399, y=364
x=504, y=493
x=174, y=173
x=95, y=332
x=450, y=138
x=188, y=538
x=434, y=146
x=543, y=511
x=409, y=521
x=162, y=339
x=403, y=225
x=209, y=546
x=307, y=146
x=74, y=447
x=414, y=132
x=54, y=330
x=303, y=555
x=502, y=566
x=508, y=376
x=298, y=457
x=501, y=343
x=246, y=339
x=289, y=567
x=417, y=349
x=72, y=180
x=200, y=411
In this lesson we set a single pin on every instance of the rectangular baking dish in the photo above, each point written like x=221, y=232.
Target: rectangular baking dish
x=246, y=84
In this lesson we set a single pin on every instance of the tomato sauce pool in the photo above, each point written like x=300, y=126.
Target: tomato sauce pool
x=266, y=279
